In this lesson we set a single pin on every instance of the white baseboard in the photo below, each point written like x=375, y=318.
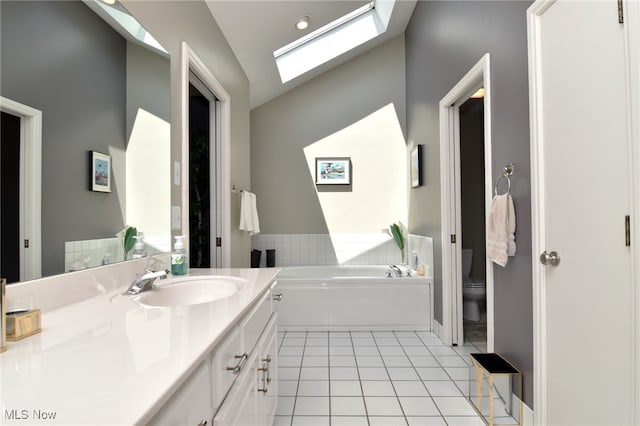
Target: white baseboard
x=436, y=327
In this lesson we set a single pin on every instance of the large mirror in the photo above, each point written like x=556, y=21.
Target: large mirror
x=104, y=101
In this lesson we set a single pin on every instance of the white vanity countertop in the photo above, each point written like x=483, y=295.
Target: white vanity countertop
x=98, y=362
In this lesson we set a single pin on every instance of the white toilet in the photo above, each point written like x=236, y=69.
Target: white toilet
x=474, y=293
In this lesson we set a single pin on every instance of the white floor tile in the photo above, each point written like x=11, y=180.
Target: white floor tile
x=465, y=350
x=418, y=406
x=363, y=341
x=339, y=334
x=295, y=334
x=317, y=341
x=386, y=341
x=314, y=373
x=315, y=361
x=369, y=361
x=454, y=406
x=347, y=406
x=366, y=351
x=313, y=388
x=310, y=421
x=291, y=351
x=287, y=387
x=391, y=350
x=432, y=341
x=346, y=388
x=373, y=373
x=289, y=361
x=405, y=334
x=410, y=388
x=342, y=361
x=427, y=334
x=426, y=421
x=410, y=341
x=396, y=361
x=282, y=421
x=417, y=350
x=442, y=350
x=349, y=421
x=312, y=406
x=360, y=334
x=288, y=373
x=316, y=351
x=341, y=350
x=293, y=341
x=285, y=405
x=324, y=334
x=457, y=373
x=387, y=421
x=344, y=373
x=451, y=361
x=378, y=388
x=442, y=388
x=423, y=361
x=339, y=341
x=464, y=421
x=432, y=373
x=383, y=406
x=402, y=373
x=383, y=334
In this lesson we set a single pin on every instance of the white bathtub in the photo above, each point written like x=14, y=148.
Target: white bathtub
x=352, y=298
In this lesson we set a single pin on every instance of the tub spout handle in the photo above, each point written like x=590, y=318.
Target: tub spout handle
x=278, y=297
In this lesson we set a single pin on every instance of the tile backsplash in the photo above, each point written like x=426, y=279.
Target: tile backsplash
x=340, y=249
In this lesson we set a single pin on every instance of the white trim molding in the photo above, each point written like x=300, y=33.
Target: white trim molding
x=189, y=61
x=478, y=76
x=30, y=187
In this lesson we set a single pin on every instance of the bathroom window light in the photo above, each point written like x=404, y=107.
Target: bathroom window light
x=334, y=39
x=131, y=25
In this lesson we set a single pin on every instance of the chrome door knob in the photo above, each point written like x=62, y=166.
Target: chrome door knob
x=552, y=258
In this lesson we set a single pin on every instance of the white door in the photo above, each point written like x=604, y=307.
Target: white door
x=581, y=192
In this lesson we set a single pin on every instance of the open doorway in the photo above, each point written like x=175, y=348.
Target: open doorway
x=465, y=172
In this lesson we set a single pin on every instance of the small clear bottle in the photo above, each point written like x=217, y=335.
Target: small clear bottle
x=139, y=251
x=179, y=260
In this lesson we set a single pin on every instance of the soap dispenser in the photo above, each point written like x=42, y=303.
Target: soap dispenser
x=139, y=251
x=179, y=265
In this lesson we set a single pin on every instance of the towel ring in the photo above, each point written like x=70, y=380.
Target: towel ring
x=502, y=176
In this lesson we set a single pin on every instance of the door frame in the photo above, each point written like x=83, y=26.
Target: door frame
x=452, y=321
x=30, y=186
x=191, y=62
x=632, y=36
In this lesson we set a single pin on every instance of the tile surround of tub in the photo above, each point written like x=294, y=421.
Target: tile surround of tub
x=340, y=249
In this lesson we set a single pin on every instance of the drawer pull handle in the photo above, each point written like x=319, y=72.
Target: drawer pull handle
x=278, y=297
x=267, y=359
x=241, y=363
x=265, y=390
x=202, y=423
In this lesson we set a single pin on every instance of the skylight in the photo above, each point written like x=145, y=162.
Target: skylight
x=334, y=39
x=129, y=24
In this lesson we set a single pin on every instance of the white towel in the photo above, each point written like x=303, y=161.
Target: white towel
x=248, y=213
x=501, y=228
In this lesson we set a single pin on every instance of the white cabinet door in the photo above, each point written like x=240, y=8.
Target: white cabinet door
x=191, y=404
x=241, y=408
x=581, y=196
x=226, y=363
x=268, y=373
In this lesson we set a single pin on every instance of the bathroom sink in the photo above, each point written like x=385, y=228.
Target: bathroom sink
x=190, y=291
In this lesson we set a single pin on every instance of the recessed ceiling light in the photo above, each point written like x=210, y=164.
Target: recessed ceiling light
x=303, y=23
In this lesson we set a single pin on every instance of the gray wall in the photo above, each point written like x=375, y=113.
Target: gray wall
x=443, y=41
x=172, y=22
x=61, y=58
x=282, y=128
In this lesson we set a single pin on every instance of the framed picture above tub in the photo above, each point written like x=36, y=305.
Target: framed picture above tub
x=333, y=171
x=100, y=172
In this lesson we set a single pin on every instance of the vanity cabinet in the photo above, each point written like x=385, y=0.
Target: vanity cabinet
x=237, y=383
x=191, y=403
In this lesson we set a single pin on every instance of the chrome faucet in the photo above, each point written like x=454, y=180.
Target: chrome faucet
x=397, y=270
x=146, y=281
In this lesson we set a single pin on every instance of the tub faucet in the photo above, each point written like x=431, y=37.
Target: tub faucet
x=146, y=281
x=397, y=270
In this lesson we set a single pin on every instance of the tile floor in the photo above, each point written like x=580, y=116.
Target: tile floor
x=373, y=378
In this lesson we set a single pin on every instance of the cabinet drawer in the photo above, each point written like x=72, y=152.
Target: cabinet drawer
x=227, y=362
x=253, y=324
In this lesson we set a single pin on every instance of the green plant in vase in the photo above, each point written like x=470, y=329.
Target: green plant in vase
x=127, y=236
x=398, y=237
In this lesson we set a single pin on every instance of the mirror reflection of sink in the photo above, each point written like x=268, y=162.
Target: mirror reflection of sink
x=190, y=291
x=186, y=291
